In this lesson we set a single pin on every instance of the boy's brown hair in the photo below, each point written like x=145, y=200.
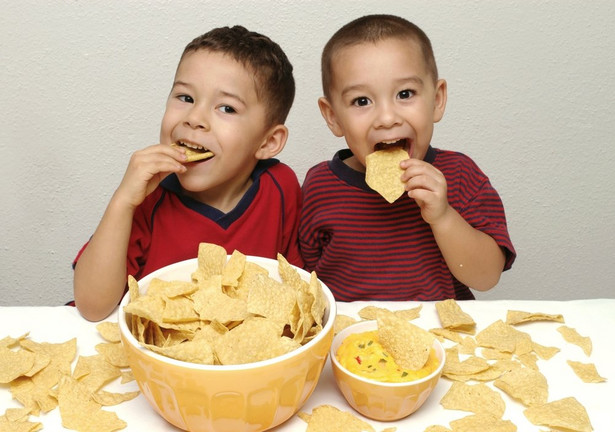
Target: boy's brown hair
x=374, y=28
x=273, y=72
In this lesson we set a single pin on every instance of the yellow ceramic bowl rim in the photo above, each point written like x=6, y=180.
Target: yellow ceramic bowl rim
x=369, y=325
x=329, y=319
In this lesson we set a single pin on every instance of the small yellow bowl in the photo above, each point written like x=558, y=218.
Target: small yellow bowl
x=251, y=397
x=381, y=400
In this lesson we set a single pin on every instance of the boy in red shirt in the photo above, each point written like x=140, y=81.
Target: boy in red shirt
x=448, y=232
x=231, y=95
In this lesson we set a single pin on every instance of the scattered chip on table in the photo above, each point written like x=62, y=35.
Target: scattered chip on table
x=114, y=353
x=544, y=352
x=106, y=398
x=514, y=317
x=109, y=330
x=504, y=337
x=437, y=428
x=572, y=336
x=528, y=386
x=14, y=364
x=80, y=412
x=469, y=366
x=482, y=422
x=563, y=414
x=452, y=317
x=370, y=312
x=17, y=420
x=447, y=334
x=477, y=398
x=586, y=371
x=327, y=418
x=341, y=322
x=95, y=371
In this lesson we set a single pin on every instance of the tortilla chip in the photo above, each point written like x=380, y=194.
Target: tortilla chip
x=453, y=318
x=526, y=385
x=195, y=351
x=482, y=422
x=271, y=299
x=211, y=259
x=110, y=331
x=572, y=336
x=514, y=317
x=408, y=344
x=80, y=412
x=341, y=322
x=327, y=418
x=383, y=173
x=193, y=155
x=370, y=312
x=586, y=371
x=477, y=398
x=14, y=364
x=567, y=414
x=504, y=337
x=233, y=269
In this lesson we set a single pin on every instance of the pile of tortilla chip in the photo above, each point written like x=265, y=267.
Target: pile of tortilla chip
x=39, y=376
x=230, y=312
x=508, y=360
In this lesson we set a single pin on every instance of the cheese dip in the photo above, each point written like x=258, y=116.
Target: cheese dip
x=362, y=354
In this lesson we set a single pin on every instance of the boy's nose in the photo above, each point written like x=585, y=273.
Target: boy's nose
x=387, y=116
x=197, y=119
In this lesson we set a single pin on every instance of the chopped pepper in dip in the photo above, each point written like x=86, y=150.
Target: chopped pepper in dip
x=362, y=354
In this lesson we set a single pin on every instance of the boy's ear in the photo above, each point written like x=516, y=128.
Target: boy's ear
x=274, y=142
x=440, y=100
x=329, y=115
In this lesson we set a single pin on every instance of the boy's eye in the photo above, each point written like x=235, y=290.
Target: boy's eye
x=185, y=98
x=361, y=101
x=227, y=109
x=405, y=94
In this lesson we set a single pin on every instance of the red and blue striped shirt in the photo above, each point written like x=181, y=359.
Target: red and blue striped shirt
x=364, y=248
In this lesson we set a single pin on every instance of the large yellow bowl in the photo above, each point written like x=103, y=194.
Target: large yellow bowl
x=380, y=400
x=251, y=397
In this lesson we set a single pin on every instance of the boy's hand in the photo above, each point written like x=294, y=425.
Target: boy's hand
x=146, y=169
x=427, y=186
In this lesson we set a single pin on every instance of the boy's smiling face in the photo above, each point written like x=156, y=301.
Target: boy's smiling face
x=214, y=105
x=382, y=93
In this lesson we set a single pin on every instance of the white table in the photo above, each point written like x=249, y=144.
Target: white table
x=593, y=318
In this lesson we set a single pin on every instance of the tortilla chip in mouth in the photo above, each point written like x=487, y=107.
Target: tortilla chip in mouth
x=382, y=172
x=193, y=154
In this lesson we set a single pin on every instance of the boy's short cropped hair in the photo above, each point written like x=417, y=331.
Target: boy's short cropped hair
x=273, y=72
x=374, y=28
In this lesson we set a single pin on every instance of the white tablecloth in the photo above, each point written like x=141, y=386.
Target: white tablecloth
x=593, y=318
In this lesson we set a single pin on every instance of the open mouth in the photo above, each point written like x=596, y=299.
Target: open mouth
x=194, y=152
x=403, y=143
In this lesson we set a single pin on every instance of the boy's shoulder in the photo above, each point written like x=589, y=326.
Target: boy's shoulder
x=451, y=160
x=278, y=170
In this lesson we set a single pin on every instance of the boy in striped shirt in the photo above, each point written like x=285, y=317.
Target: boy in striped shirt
x=448, y=232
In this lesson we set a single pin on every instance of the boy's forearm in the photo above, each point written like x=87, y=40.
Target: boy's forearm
x=473, y=257
x=100, y=273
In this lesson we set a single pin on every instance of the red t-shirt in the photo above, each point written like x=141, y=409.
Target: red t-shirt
x=364, y=248
x=168, y=226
